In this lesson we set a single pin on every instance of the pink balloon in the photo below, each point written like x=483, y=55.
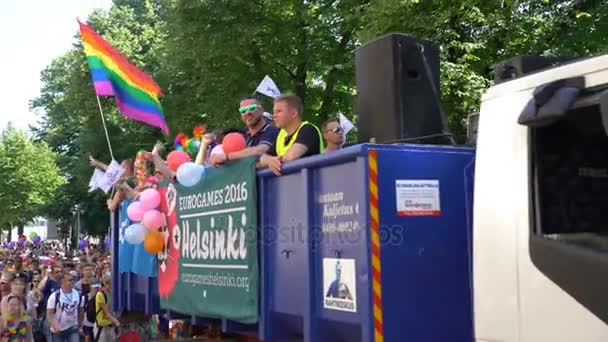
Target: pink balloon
x=153, y=219
x=150, y=199
x=135, y=212
x=218, y=149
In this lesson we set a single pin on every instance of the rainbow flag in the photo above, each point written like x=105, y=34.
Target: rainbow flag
x=136, y=93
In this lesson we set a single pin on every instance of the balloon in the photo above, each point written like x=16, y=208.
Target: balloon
x=11, y=244
x=176, y=158
x=135, y=233
x=135, y=211
x=152, y=180
x=189, y=174
x=22, y=238
x=20, y=243
x=37, y=239
x=198, y=132
x=192, y=146
x=149, y=199
x=233, y=142
x=83, y=244
x=153, y=219
x=33, y=235
x=154, y=243
x=179, y=148
x=218, y=149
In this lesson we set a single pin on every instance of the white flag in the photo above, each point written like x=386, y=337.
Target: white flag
x=111, y=176
x=347, y=126
x=268, y=88
x=96, y=179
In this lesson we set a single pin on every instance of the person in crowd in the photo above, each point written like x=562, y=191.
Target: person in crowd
x=268, y=118
x=18, y=288
x=84, y=284
x=296, y=139
x=106, y=321
x=18, y=262
x=15, y=325
x=65, y=312
x=85, y=287
x=332, y=132
x=34, y=296
x=260, y=135
x=49, y=284
x=5, y=284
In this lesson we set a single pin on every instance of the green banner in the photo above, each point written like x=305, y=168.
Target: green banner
x=214, y=238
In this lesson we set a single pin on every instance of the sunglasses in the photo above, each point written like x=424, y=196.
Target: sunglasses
x=336, y=129
x=250, y=108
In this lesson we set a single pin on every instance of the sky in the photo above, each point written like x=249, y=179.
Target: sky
x=32, y=33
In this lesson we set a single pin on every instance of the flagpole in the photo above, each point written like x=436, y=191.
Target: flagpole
x=103, y=121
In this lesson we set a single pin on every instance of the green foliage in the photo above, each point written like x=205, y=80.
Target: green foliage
x=28, y=177
x=207, y=54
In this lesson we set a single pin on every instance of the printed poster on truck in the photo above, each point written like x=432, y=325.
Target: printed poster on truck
x=339, y=284
x=417, y=197
x=209, y=266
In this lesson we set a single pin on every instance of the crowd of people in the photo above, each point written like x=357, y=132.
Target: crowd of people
x=50, y=294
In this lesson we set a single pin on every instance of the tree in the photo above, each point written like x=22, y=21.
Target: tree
x=218, y=52
x=71, y=122
x=29, y=176
x=474, y=35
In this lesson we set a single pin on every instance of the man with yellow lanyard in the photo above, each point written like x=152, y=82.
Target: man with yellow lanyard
x=297, y=138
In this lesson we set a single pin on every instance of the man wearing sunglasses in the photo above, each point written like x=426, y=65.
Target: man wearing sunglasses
x=333, y=134
x=296, y=139
x=260, y=134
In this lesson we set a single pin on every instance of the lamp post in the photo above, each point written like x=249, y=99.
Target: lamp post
x=77, y=210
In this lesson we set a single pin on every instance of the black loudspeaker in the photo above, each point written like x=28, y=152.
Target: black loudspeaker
x=398, y=92
x=524, y=65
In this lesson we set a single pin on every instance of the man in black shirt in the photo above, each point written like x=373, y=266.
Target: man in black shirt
x=297, y=138
x=260, y=134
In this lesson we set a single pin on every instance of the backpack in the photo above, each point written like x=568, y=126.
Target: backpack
x=91, y=307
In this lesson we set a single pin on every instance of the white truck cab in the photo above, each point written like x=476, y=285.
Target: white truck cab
x=541, y=207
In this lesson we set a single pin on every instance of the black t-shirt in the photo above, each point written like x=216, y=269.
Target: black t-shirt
x=266, y=136
x=308, y=136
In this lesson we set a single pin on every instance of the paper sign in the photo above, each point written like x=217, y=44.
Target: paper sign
x=347, y=126
x=268, y=87
x=417, y=198
x=96, y=179
x=339, y=284
x=111, y=176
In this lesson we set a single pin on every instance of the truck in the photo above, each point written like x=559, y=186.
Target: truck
x=497, y=242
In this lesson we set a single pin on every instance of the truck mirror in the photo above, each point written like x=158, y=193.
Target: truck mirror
x=551, y=102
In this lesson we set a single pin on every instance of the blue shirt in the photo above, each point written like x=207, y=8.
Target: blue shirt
x=265, y=136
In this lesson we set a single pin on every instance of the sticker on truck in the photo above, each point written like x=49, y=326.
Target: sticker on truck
x=339, y=284
x=417, y=197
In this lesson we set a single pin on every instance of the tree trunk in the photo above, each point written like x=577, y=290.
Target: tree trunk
x=20, y=228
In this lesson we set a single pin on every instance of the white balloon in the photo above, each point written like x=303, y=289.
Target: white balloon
x=189, y=174
x=135, y=233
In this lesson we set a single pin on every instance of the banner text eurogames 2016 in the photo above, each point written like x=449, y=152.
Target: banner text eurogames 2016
x=215, y=236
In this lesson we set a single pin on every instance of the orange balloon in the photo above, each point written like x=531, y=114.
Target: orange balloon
x=154, y=243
